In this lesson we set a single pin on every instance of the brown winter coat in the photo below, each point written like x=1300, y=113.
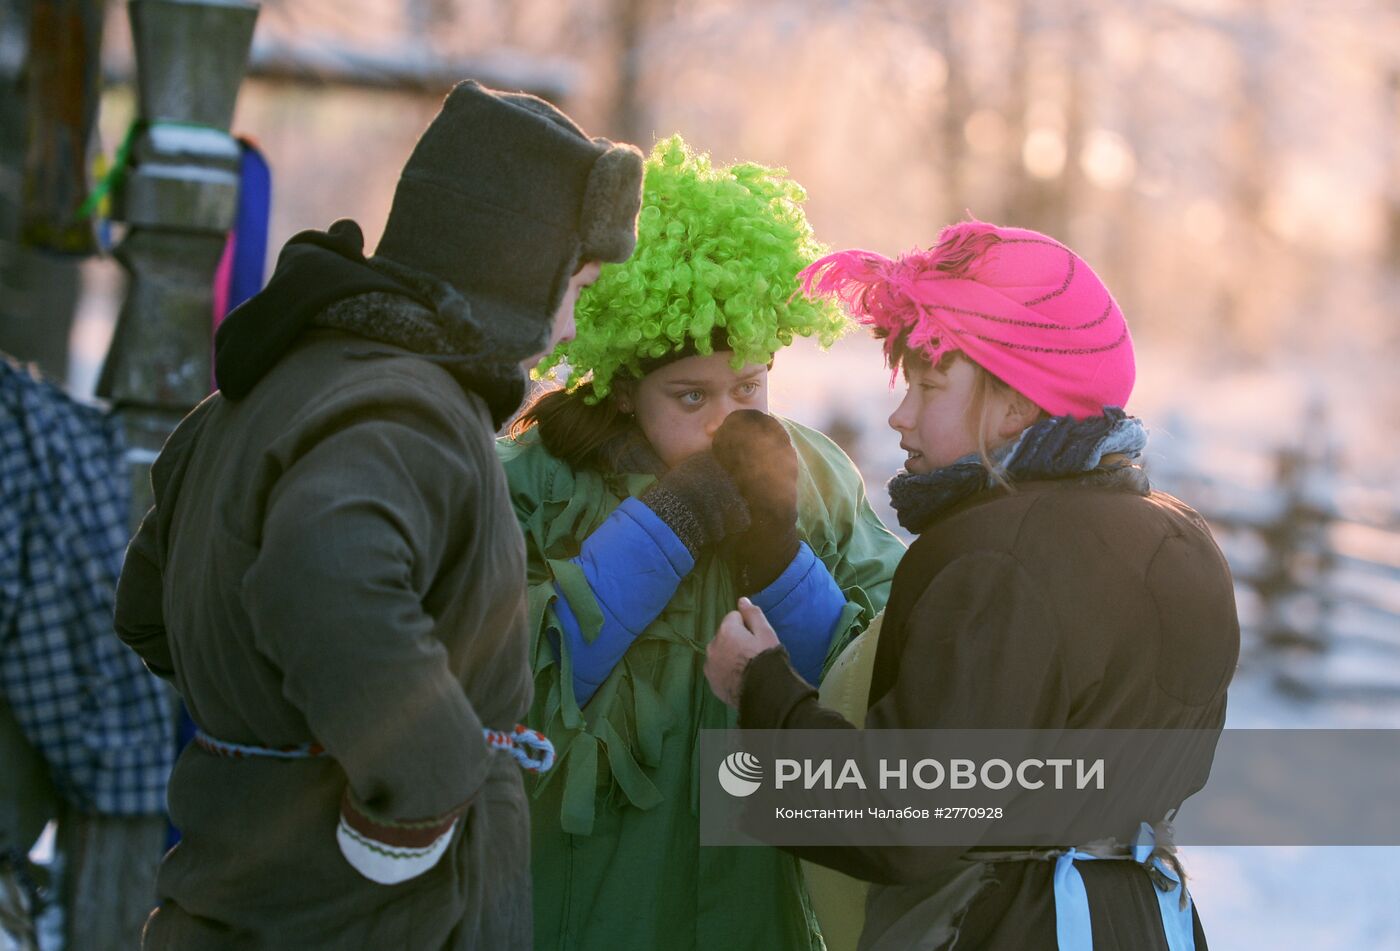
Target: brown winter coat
x=1083, y=603
x=334, y=559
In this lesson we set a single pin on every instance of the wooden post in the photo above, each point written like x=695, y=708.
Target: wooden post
x=48, y=95
x=1295, y=585
x=178, y=198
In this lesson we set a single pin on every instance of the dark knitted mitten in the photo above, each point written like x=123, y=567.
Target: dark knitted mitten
x=755, y=449
x=699, y=501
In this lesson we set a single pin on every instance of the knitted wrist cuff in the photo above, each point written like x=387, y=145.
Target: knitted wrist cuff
x=678, y=516
x=387, y=864
x=388, y=851
x=699, y=501
x=769, y=689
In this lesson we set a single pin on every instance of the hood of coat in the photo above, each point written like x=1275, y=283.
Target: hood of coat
x=323, y=279
x=406, y=324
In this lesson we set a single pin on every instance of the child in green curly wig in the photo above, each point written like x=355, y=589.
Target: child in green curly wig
x=654, y=491
x=718, y=251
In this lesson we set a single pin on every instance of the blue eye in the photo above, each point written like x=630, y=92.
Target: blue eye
x=748, y=389
x=692, y=398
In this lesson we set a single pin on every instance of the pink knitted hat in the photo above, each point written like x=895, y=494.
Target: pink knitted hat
x=1017, y=303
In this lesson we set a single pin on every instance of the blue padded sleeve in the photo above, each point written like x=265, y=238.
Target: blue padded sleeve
x=633, y=564
x=803, y=606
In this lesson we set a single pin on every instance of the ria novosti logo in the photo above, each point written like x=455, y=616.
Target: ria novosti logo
x=740, y=774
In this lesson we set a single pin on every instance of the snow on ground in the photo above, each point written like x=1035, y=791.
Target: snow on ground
x=1253, y=898
x=1258, y=897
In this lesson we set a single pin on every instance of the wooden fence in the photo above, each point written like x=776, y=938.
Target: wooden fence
x=1316, y=563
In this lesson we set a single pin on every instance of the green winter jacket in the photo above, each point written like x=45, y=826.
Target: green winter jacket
x=616, y=857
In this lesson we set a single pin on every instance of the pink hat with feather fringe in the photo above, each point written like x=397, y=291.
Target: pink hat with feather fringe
x=1017, y=303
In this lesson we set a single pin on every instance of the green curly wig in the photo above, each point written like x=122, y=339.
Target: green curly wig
x=718, y=249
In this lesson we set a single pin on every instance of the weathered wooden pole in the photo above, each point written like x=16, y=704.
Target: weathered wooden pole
x=177, y=194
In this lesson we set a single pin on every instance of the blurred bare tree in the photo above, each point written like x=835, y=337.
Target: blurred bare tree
x=1231, y=165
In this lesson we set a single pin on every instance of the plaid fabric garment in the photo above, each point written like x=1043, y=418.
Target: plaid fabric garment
x=99, y=718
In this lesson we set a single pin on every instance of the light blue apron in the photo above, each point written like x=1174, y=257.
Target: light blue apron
x=1072, y=924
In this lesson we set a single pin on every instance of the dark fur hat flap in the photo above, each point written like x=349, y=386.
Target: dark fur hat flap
x=608, y=223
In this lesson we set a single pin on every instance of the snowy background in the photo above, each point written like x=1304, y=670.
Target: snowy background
x=1231, y=167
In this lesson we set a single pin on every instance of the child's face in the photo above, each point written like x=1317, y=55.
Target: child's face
x=934, y=420
x=681, y=405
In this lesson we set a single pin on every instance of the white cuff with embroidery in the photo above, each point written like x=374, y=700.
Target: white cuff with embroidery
x=390, y=863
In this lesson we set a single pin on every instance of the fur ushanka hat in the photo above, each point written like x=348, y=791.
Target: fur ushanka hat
x=503, y=198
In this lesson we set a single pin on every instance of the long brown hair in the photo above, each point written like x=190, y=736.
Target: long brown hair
x=571, y=428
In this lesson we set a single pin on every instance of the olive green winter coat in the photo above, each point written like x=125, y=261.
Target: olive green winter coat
x=333, y=560
x=616, y=856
